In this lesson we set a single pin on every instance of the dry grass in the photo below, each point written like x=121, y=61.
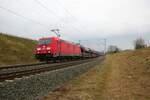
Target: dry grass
x=15, y=50
x=122, y=76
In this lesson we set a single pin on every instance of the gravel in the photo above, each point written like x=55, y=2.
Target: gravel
x=35, y=86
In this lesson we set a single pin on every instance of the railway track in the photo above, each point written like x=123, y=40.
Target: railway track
x=12, y=72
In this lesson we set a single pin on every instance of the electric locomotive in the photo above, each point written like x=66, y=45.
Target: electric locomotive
x=54, y=48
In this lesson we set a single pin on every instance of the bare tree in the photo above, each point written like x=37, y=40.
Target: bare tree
x=113, y=49
x=139, y=43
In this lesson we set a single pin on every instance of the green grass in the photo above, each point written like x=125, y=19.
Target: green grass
x=16, y=50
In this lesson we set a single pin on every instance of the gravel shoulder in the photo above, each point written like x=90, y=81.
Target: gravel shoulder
x=122, y=76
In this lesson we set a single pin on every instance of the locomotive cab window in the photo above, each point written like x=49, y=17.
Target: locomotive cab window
x=47, y=41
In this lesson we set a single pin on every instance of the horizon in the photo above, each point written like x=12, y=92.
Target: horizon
x=120, y=22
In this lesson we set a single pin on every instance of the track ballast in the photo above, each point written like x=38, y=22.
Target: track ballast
x=10, y=73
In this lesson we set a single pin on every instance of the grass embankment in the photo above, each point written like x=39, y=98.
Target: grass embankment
x=122, y=76
x=16, y=50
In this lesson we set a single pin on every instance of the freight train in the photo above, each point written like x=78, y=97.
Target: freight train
x=54, y=48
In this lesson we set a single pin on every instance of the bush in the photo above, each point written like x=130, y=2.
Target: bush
x=113, y=49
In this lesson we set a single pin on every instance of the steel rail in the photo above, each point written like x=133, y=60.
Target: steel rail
x=20, y=65
x=51, y=67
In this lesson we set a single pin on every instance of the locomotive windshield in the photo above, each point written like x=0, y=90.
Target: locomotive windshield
x=45, y=41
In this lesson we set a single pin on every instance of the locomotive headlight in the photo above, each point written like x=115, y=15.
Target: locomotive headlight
x=48, y=48
x=38, y=48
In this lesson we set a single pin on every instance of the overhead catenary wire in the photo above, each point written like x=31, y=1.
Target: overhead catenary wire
x=26, y=18
x=68, y=12
x=100, y=42
x=34, y=21
x=49, y=10
x=55, y=14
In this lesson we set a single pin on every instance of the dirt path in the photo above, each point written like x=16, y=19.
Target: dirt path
x=123, y=76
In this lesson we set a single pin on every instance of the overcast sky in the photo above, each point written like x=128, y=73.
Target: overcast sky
x=119, y=21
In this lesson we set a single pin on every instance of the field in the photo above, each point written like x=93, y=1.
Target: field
x=122, y=76
x=16, y=50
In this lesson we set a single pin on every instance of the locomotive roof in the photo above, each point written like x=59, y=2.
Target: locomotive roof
x=49, y=38
x=57, y=38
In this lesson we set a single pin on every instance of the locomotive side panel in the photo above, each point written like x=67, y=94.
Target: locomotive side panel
x=69, y=49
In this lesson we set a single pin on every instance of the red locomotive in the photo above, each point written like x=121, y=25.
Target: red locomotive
x=54, y=48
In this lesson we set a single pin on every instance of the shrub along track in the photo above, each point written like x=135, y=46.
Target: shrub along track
x=18, y=71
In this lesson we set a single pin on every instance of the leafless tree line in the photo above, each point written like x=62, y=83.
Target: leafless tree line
x=138, y=44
